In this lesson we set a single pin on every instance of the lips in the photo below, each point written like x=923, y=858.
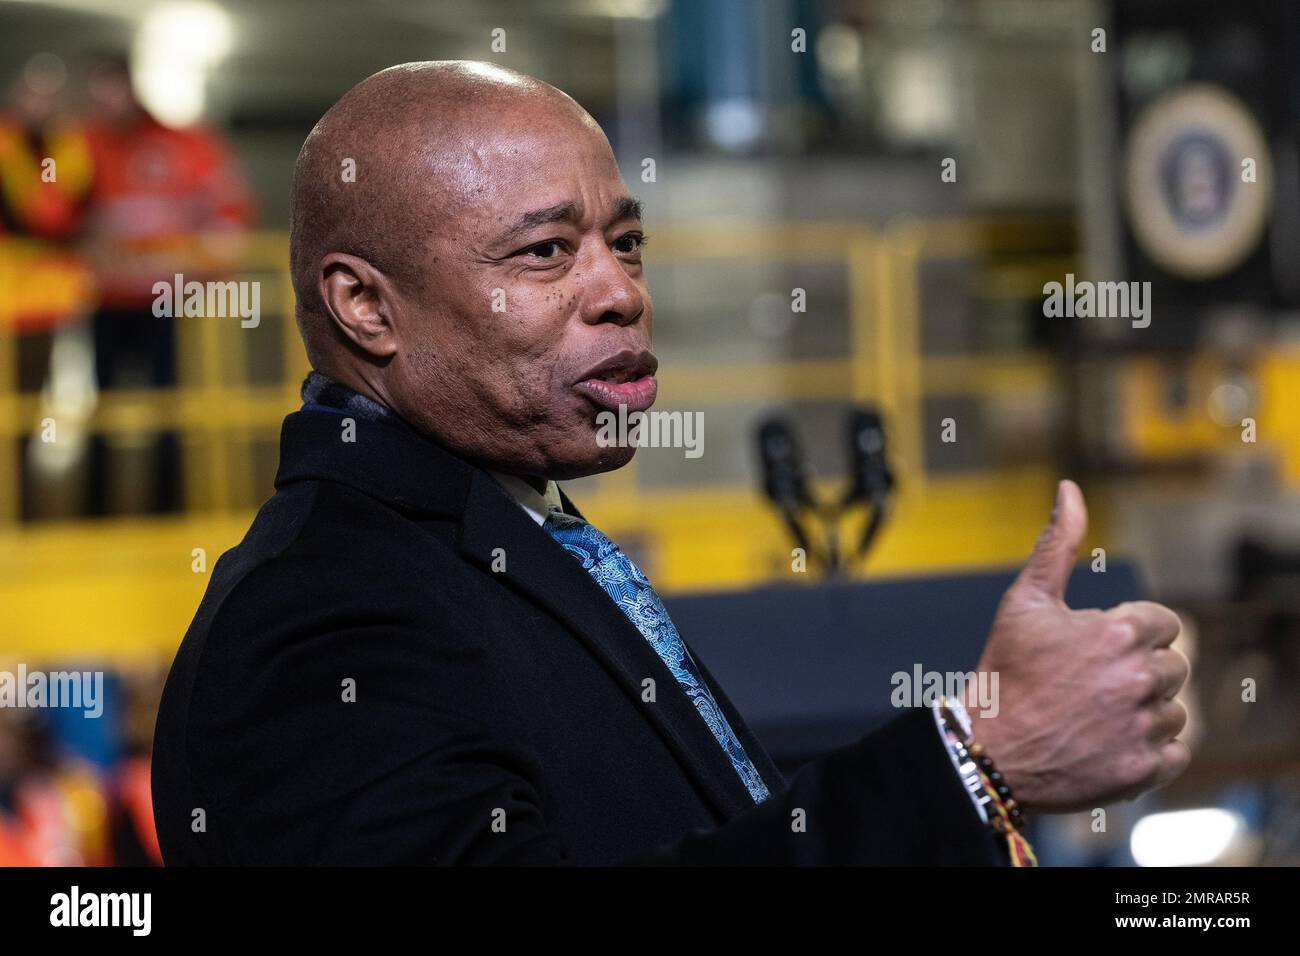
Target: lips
x=625, y=379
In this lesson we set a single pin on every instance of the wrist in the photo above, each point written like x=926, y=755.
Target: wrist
x=986, y=726
x=983, y=780
x=989, y=732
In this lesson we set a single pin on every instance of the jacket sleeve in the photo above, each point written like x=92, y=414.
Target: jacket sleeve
x=892, y=797
x=289, y=701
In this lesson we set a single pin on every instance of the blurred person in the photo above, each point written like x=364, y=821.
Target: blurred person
x=421, y=652
x=16, y=749
x=160, y=201
x=52, y=809
x=44, y=180
x=46, y=289
x=74, y=790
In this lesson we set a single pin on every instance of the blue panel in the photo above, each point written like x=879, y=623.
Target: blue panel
x=810, y=668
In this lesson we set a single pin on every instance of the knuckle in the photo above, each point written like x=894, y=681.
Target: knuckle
x=1154, y=621
x=1120, y=634
x=1144, y=682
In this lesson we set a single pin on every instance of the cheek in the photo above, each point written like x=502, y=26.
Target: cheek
x=517, y=353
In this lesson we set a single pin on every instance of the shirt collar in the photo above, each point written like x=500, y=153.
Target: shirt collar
x=537, y=504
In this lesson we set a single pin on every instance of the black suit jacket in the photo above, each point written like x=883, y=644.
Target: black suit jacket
x=495, y=716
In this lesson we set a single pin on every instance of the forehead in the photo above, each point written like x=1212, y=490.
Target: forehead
x=535, y=165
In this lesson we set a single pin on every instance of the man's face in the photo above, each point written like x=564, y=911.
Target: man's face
x=533, y=315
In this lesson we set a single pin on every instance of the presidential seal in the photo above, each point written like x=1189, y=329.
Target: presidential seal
x=1198, y=186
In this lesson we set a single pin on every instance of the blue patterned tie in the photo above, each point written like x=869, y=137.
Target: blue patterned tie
x=623, y=581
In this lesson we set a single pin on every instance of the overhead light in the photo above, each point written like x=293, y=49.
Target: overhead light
x=175, y=48
x=839, y=51
x=1186, y=837
x=625, y=9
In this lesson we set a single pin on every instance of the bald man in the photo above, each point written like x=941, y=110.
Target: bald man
x=422, y=653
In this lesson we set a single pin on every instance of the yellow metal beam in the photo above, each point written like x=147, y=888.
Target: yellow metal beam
x=115, y=589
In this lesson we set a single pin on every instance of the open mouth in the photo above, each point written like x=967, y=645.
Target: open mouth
x=626, y=379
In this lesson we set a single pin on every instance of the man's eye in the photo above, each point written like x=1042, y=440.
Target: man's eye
x=632, y=242
x=544, y=250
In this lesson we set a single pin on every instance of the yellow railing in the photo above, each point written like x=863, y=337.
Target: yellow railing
x=117, y=587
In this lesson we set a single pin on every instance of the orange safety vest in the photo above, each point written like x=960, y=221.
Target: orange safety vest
x=44, y=180
x=154, y=192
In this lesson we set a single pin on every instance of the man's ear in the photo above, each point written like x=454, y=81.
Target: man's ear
x=359, y=299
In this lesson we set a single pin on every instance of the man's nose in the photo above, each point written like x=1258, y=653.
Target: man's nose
x=609, y=294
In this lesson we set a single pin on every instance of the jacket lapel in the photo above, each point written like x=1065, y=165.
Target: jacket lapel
x=391, y=462
x=542, y=570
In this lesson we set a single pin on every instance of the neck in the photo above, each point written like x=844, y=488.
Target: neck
x=358, y=384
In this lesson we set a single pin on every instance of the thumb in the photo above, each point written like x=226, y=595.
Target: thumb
x=1047, y=571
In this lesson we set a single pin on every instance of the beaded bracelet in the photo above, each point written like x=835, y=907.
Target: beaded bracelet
x=1006, y=816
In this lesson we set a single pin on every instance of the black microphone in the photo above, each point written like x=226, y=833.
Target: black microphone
x=872, y=481
x=868, y=464
x=782, y=460
x=784, y=481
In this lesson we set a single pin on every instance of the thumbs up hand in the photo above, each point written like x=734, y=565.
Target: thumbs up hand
x=1085, y=713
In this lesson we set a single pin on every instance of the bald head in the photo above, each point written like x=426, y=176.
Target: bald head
x=391, y=161
x=464, y=250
